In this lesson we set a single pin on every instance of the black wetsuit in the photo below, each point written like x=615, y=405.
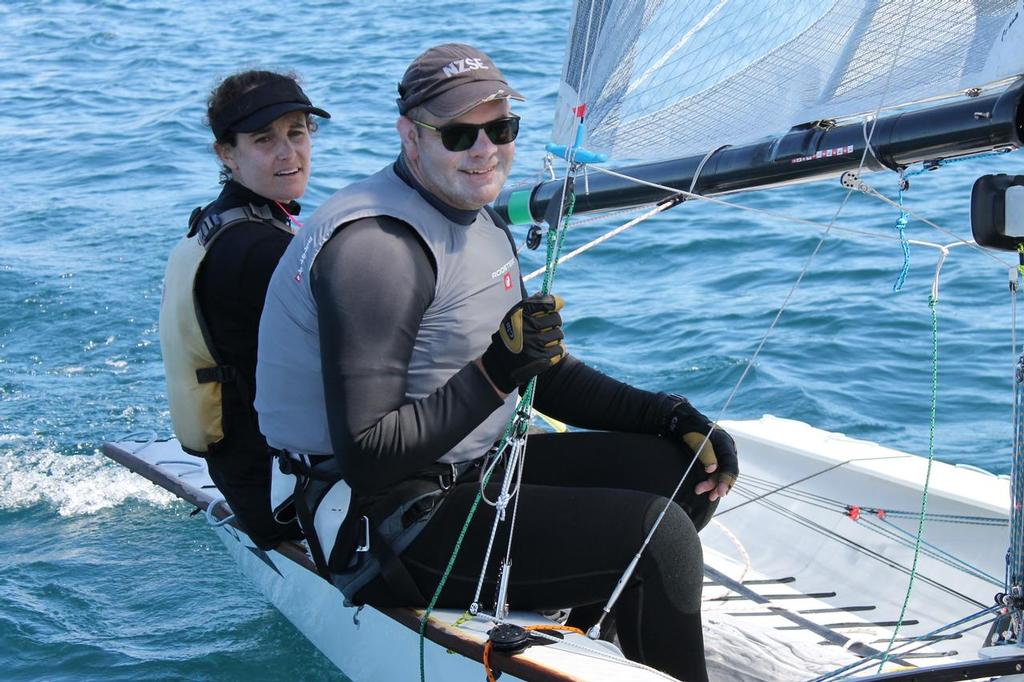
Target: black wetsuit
x=230, y=287
x=588, y=499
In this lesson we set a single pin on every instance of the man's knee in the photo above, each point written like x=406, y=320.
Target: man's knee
x=674, y=556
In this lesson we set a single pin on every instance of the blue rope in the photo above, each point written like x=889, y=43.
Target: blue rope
x=904, y=217
x=907, y=538
x=901, y=227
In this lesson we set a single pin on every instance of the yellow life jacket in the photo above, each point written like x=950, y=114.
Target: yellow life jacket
x=193, y=370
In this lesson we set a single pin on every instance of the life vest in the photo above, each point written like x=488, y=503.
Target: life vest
x=353, y=540
x=194, y=371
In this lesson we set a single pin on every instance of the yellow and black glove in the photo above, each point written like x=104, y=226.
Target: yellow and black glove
x=528, y=341
x=685, y=424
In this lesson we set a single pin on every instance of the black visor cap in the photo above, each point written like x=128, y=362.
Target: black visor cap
x=261, y=106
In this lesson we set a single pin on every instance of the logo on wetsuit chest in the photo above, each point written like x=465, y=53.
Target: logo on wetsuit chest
x=505, y=272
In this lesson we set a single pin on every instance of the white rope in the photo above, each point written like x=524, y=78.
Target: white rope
x=748, y=566
x=603, y=238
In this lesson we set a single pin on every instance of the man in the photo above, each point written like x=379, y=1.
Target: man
x=379, y=361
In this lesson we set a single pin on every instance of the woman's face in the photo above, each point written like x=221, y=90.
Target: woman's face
x=273, y=161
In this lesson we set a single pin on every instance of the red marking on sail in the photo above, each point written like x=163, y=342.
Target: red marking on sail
x=580, y=111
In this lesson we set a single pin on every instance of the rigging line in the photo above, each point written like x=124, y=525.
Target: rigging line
x=829, y=533
x=829, y=503
x=904, y=537
x=523, y=410
x=483, y=492
x=928, y=472
x=813, y=526
x=1017, y=363
x=501, y=600
x=936, y=639
x=751, y=483
x=760, y=211
x=596, y=629
x=892, y=531
x=781, y=488
x=451, y=563
x=888, y=85
x=598, y=217
x=937, y=555
x=606, y=236
x=959, y=241
x=499, y=510
x=864, y=663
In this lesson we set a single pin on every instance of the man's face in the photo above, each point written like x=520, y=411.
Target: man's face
x=466, y=180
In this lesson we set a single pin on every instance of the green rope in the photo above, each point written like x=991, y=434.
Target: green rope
x=521, y=414
x=932, y=302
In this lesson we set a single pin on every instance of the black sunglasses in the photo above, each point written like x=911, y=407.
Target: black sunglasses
x=458, y=137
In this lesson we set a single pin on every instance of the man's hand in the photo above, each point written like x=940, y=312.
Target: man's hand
x=686, y=424
x=528, y=341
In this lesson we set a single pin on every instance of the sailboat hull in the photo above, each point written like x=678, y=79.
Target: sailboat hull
x=808, y=564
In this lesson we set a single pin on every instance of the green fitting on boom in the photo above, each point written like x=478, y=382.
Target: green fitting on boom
x=519, y=207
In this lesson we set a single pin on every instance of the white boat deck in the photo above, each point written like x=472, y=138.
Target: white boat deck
x=795, y=585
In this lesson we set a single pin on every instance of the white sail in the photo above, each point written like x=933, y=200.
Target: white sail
x=664, y=80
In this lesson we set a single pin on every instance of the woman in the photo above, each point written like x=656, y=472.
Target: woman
x=216, y=281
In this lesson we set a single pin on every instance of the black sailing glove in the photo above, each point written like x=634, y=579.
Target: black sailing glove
x=528, y=341
x=684, y=423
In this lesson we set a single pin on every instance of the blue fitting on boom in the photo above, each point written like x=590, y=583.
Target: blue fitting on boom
x=579, y=155
x=576, y=153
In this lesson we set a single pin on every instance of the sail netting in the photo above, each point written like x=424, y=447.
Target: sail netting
x=665, y=79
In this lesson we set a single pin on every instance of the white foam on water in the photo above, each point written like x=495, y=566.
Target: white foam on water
x=74, y=484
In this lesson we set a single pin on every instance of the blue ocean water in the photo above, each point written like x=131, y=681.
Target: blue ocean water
x=103, y=576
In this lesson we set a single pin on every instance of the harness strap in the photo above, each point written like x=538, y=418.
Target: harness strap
x=305, y=515
x=297, y=466
x=394, y=572
x=213, y=225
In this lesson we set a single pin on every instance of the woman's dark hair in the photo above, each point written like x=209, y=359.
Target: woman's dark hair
x=233, y=87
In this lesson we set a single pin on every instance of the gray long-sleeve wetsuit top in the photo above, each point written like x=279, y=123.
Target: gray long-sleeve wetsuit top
x=372, y=281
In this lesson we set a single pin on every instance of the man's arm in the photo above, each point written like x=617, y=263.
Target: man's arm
x=579, y=395
x=373, y=281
